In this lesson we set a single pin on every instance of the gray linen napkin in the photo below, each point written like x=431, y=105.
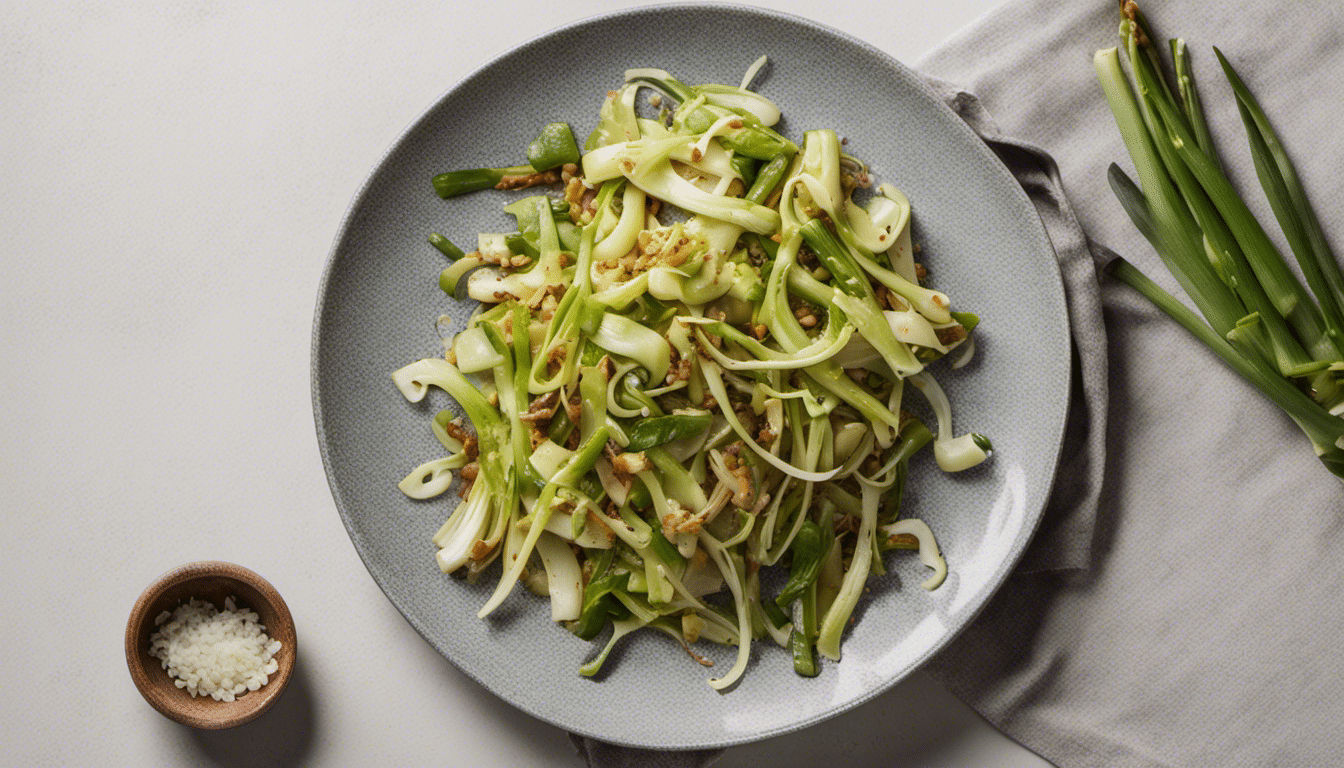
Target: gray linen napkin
x=1207, y=630
x=1064, y=538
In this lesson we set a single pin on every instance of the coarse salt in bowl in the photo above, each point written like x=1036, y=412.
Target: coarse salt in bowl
x=207, y=620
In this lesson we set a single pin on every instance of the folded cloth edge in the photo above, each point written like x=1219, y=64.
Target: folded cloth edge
x=1064, y=539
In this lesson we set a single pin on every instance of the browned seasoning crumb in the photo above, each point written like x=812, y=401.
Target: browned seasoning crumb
x=903, y=541
x=574, y=407
x=468, y=475
x=680, y=372
x=538, y=436
x=581, y=199
x=543, y=408
x=455, y=430
x=528, y=180
x=630, y=463
x=480, y=550
x=950, y=335
x=1131, y=11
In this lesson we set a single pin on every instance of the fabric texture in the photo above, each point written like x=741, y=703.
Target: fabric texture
x=1205, y=630
x=1064, y=538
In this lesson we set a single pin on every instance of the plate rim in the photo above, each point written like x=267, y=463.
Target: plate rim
x=898, y=69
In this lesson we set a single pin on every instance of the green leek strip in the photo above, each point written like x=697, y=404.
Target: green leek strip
x=735, y=580
x=1288, y=198
x=851, y=587
x=833, y=378
x=855, y=297
x=659, y=430
x=620, y=628
x=662, y=181
x=454, y=183
x=809, y=548
x=768, y=179
x=817, y=433
x=713, y=378
x=593, y=400
x=553, y=147
x=1279, y=283
x=445, y=246
x=804, y=658
x=1218, y=241
x=1194, y=107
x=625, y=337
x=913, y=437
x=1179, y=241
x=1323, y=429
x=511, y=400
x=1228, y=257
x=578, y=465
x=831, y=341
x=928, y=549
x=415, y=380
x=678, y=482
x=563, y=331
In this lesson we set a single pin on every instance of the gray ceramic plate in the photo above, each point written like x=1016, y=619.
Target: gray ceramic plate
x=983, y=244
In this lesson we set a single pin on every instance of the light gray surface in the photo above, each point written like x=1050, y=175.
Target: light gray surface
x=1207, y=631
x=980, y=237
x=173, y=179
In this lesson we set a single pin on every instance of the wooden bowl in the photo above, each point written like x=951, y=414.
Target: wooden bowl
x=211, y=581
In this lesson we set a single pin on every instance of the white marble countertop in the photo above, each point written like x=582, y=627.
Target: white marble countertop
x=173, y=175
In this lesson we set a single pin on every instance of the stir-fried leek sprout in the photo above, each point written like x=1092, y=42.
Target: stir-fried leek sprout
x=1257, y=316
x=686, y=369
